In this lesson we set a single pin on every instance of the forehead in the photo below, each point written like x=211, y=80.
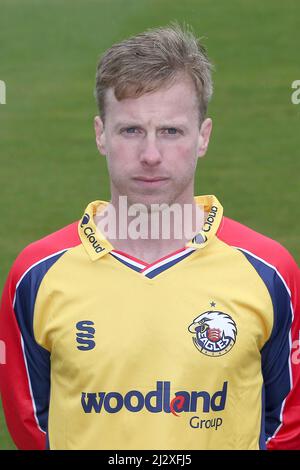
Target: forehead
x=176, y=100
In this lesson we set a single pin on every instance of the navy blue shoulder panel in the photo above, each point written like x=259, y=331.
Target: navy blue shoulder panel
x=37, y=358
x=275, y=354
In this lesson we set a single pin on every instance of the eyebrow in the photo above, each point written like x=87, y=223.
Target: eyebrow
x=160, y=126
x=126, y=124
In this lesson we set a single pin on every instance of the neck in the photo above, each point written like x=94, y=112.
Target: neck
x=150, y=235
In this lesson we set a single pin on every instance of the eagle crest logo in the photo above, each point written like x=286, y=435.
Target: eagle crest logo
x=214, y=333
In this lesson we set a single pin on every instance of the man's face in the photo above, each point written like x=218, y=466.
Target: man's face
x=152, y=144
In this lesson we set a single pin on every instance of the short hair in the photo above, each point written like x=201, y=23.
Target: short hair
x=151, y=60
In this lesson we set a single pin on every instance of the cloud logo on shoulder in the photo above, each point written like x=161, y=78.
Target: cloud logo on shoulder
x=90, y=234
x=155, y=401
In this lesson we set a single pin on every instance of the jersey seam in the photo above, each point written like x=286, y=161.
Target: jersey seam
x=240, y=250
x=64, y=250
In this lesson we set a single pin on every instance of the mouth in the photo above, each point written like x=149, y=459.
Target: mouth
x=155, y=180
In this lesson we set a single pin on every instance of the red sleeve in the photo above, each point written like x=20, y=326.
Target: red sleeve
x=14, y=385
x=25, y=366
x=287, y=435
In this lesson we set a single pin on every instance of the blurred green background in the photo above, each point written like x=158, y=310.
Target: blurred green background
x=49, y=165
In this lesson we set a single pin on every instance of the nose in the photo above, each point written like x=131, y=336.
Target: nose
x=150, y=153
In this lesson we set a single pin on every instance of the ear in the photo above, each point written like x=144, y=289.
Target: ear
x=204, y=136
x=100, y=134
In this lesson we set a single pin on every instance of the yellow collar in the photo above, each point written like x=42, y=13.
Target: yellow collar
x=97, y=245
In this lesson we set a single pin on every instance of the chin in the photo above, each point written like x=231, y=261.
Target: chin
x=149, y=199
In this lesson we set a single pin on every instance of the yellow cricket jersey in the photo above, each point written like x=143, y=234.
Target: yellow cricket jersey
x=193, y=351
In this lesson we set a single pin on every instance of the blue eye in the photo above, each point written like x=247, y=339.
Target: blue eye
x=130, y=130
x=170, y=131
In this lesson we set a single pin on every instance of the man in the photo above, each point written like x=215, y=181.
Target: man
x=120, y=341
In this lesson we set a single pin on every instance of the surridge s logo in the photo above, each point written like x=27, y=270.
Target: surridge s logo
x=85, y=337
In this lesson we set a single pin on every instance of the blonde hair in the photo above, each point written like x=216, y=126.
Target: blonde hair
x=153, y=59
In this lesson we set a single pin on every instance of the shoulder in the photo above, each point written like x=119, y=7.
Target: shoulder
x=45, y=248
x=264, y=249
